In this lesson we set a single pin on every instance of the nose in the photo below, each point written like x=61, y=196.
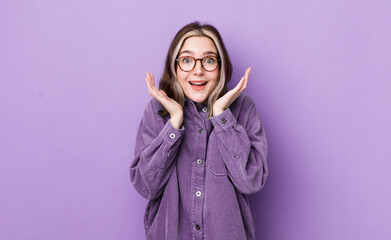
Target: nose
x=198, y=69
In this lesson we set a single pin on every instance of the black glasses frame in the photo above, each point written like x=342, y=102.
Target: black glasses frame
x=195, y=62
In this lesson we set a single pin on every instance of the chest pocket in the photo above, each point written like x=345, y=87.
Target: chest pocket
x=214, y=160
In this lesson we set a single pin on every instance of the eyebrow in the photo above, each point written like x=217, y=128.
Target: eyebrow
x=205, y=53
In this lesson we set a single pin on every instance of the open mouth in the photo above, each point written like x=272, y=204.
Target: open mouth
x=198, y=83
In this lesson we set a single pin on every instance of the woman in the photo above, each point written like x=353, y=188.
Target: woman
x=200, y=149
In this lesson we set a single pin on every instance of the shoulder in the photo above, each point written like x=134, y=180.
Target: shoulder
x=151, y=115
x=153, y=105
x=242, y=102
x=243, y=108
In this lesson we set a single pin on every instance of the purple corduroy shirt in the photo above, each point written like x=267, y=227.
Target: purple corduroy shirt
x=197, y=178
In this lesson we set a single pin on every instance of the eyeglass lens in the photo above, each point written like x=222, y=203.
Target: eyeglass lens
x=187, y=63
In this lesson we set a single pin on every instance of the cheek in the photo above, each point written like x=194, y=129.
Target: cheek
x=216, y=78
x=181, y=76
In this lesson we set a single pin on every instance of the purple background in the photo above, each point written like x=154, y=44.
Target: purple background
x=72, y=92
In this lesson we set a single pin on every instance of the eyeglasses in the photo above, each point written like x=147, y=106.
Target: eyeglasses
x=187, y=63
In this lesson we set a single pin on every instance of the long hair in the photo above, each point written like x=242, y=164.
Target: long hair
x=168, y=81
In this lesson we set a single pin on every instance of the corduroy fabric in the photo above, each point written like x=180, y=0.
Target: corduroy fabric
x=197, y=178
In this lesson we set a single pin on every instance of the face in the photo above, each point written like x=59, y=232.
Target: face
x=198, y=47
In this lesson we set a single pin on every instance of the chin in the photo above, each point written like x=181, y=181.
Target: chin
x=198, y=99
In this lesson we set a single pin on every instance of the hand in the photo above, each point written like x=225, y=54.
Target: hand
x=174, y=108
x=225, y=101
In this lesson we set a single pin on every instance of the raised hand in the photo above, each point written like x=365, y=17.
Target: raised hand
x=225, y=101
x=174, y=108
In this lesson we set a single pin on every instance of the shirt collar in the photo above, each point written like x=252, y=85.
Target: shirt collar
x=188, y=101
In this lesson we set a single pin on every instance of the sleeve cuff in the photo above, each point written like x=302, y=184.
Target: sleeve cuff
x=223, y=121
x=170, y=134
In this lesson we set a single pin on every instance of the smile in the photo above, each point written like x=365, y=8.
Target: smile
x=198, y=85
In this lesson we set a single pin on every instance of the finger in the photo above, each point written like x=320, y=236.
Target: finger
x=152, y=78
x=239, y=85
x=150, y=90
x=159, y=95
x=247, y=77
x=247, y=74
x=149, y=79
x=148, y=83
x=245, y=80
x=153, y=91
x=153, y=82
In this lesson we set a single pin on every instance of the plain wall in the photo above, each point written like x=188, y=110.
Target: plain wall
x=72, y=93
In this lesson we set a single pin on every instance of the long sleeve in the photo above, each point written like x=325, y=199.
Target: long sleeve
x=243, y=147
x=157, y=144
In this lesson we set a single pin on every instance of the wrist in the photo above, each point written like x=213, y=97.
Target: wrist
x=176, y=122
x=217, y=112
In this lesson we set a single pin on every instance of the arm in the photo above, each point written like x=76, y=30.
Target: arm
x=156, y=147
x=243, y=148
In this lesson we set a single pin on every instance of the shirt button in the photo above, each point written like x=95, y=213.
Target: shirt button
x=198, y=193
x=202, y=130
x=205, y=109
x=172, y=136
x=199, y=161
x=223, y=120
x=198, y=227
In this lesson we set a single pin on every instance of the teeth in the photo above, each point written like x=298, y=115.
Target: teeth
x=194, y=83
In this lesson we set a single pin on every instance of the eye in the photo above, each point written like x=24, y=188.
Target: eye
x=210, y=60
x=187, y=60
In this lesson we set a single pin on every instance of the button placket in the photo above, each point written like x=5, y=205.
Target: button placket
x=199, y=135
